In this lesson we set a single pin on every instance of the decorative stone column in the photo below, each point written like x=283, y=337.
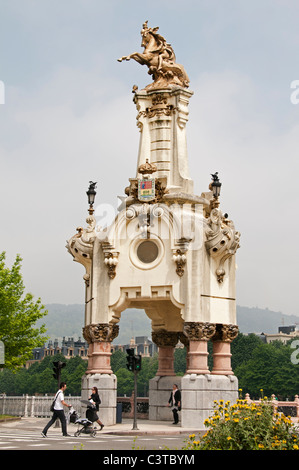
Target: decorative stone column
x=99, y=373
x=198, y=334
x=161, y=385
x=224, y=335
x=99, y=337
x=166, y=342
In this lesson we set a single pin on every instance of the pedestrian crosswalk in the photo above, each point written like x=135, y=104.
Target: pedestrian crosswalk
x=32, y=440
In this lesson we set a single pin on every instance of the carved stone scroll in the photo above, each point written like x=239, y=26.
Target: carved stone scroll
x=222, y=240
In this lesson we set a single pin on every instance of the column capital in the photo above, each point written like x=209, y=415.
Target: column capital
x=225, y=333
x=164, y=338
x=100, y=332
x=199, y=331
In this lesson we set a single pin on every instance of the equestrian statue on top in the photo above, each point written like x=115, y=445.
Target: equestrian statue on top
x=159, y=56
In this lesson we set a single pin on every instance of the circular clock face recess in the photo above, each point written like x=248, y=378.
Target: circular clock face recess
x=147, y=251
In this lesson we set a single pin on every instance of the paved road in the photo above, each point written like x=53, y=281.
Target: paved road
x=25, y=434
x=14, y=439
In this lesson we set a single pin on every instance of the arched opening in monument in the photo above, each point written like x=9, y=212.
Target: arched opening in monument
x=135, y=332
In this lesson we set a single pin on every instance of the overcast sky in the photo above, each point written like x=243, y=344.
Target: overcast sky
x=68, y=118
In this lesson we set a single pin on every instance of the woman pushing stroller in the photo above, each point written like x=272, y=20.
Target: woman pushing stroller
x=92, y=413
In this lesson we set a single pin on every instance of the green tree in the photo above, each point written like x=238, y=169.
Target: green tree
x=18, y=315
x=242, y=348
x=148, y=371
x=271, y=370
x=180, y=361
x=118, y=360
x=125, y=382
x=72, y=374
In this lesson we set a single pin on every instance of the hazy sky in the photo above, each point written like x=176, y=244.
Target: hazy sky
x=68, y=118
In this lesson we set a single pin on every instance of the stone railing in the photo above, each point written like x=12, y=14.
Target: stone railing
x=39, y=406
x=288, y=408
x=33, y=406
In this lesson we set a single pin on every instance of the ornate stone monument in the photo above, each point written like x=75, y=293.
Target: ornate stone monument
x=169, y=252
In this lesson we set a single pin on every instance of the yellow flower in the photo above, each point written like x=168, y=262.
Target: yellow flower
x=236, y=420
x=191, y=436
x=295, y=447
x=261, y=446
x=229, y=438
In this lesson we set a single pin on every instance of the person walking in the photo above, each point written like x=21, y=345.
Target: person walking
x=175, y=402
x=58, y=412
x=95, y=399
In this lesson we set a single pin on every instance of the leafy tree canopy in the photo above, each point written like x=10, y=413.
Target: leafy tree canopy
x=18, y=315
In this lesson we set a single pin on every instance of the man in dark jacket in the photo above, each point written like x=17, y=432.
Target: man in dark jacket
x=175, y=402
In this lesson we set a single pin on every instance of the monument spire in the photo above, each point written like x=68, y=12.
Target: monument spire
x=163, y=112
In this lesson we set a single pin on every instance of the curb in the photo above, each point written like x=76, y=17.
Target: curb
x=5, y=420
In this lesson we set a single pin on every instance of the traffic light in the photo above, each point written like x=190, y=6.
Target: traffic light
x=133, y=362
x=137, y=360
x=130, y=359
x=58, y=365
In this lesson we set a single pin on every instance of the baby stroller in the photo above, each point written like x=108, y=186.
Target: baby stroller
x=72, y=415
x=85, y=424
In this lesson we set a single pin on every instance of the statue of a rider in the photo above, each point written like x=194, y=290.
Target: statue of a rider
x=159, y=56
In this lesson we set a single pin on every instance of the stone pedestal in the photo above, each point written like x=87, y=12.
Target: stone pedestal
x=107, y=388
x=160, y=389
x=199, y=393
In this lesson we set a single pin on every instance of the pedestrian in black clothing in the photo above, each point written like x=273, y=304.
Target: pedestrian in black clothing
x=95, y=399
x=175, y=402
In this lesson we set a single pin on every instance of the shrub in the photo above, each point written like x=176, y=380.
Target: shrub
x=244, y=426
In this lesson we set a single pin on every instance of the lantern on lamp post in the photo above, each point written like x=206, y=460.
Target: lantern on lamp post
x=91, y=194
x=215, y=187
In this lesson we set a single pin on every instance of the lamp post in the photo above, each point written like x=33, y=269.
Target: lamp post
x=91, y=194
x=215, y=187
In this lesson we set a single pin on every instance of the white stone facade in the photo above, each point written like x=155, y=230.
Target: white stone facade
x=169, y=252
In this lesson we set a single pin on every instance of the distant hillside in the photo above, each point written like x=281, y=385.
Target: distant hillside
x=256, y=320
x=68, y=321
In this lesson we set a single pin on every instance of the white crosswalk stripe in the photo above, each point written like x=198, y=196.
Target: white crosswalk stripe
x=20, y=439
x=14, y=440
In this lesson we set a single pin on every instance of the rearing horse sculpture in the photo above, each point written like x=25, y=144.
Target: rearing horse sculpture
x=159, y=56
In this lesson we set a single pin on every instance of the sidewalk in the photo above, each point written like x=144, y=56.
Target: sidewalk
x=144, y=427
